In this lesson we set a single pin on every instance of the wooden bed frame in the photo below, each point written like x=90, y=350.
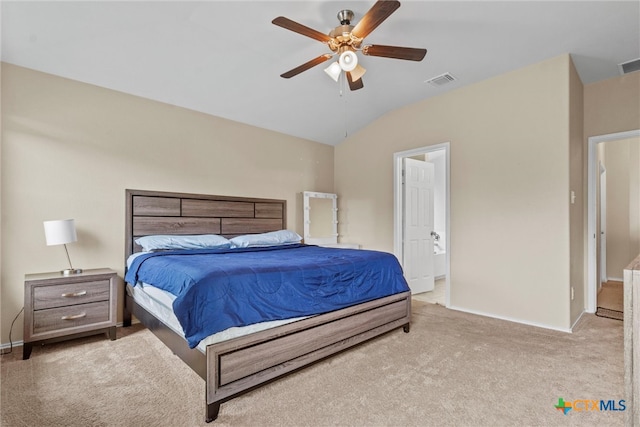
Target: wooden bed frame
x=233, y=367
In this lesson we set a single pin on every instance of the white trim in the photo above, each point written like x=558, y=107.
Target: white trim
x=20, y=343
x=12, y=345
x=591, y=210
x=510, y=319
x=577, y=320
x=397, y=205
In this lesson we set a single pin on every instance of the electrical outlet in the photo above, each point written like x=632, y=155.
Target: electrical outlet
x=572, y=293
x=573, y=198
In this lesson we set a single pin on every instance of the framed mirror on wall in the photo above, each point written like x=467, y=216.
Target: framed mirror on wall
x=320, y=218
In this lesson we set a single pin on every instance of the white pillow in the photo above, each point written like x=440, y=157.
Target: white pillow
x=273, y=238
x=200, y=241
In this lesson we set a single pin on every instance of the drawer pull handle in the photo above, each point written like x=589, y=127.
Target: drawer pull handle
x=75, y=294
x=74, y=317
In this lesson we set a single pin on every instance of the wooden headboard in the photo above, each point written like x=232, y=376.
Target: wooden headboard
x=159, y=212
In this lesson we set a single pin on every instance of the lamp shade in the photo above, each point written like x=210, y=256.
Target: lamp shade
x=333, y=71
x=358, y=72
x=60, y=232
x=348, y=60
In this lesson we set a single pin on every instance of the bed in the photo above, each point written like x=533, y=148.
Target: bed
x=234, y=366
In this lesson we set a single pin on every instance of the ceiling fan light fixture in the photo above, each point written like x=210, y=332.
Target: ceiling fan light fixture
x=348, y=60
x=333, y=71
x=357, y=72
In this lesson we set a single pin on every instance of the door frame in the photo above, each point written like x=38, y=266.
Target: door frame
x=398, y=204
x=592, y=175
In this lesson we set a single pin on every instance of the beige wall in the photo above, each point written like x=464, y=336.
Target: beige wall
x=612, y=105
x=69, y=150
x=576, y=206
x=622, y=162
x=510, y=178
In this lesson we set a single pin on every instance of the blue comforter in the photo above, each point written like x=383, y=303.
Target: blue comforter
x=218, y=289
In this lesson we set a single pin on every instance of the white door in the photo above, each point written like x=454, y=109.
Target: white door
x=603, y=225
x=418, y=225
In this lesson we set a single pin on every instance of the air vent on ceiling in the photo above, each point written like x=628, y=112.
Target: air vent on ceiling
x=441, y=80
x=629, y=66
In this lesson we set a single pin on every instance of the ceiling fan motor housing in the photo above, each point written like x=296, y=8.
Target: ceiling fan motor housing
x=342, y=37
x=345, y=16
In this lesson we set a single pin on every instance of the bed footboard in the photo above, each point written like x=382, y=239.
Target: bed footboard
x=239, y=365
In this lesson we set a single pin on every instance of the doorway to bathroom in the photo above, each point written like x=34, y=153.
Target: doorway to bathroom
x=436, y=263
x=611, y=233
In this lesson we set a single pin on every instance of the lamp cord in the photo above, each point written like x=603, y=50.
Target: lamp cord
x=11, y=330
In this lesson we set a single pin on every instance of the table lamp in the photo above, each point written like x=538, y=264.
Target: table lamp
x=61, y=232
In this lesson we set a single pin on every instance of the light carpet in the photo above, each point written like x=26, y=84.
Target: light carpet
x=452, y=369
x=611, y=300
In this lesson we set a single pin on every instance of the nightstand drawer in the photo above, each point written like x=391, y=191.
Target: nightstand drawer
x=70, y=294
x=70, y=317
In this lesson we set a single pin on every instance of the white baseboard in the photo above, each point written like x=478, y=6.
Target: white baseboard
x=7, y=346
x=578, y=319
x=510, y=319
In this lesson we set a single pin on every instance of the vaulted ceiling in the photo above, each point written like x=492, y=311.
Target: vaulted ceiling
x=225, y=57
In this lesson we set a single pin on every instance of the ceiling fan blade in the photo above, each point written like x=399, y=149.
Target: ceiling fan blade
x=397, y=52
x=374, y=17
x=288, y=24
x=304, y=67
x=358, y=84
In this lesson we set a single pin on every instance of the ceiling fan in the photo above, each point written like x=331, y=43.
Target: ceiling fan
x=345, y=39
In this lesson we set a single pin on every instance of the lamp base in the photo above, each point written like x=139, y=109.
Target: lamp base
x=71, y=271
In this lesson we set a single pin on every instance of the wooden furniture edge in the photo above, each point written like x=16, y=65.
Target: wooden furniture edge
x=631, y=317
x=194, y=358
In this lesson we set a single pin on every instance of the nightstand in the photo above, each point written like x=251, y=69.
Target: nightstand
x=58, y=306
